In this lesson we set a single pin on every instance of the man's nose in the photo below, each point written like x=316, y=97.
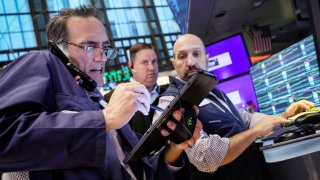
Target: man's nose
x=151, y=66
x=191, y=61
x=100, y=55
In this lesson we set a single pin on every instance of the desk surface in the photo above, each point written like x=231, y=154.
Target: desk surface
x=292, y=148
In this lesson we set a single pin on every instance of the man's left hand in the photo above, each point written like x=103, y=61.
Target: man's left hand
x=296, y=108
x=174, y=150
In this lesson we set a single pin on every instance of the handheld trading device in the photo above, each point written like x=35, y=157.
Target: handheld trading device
x=193, y=92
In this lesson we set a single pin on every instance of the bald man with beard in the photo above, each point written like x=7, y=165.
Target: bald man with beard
x=226, y=149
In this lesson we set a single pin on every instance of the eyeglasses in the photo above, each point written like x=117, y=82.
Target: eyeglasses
x=109, y=51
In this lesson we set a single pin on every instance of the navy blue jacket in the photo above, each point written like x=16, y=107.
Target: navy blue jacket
x=217, y=119
x=51, y=128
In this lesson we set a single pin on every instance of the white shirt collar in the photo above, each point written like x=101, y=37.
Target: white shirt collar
x=154, y=93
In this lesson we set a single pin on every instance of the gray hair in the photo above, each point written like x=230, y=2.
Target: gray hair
x=57, y=27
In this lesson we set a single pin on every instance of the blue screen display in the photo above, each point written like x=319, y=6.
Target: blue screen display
x=287, y=76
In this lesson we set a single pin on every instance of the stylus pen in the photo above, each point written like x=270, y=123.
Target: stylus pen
x=156, y=108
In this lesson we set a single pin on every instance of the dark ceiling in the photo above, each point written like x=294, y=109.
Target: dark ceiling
x=212, y=20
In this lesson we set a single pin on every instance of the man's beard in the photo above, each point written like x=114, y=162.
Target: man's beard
x=186, y=77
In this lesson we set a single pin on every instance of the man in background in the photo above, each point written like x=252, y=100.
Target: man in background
x=143, y=64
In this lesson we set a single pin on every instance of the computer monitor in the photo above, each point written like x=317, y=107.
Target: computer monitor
x=287, y=76
x=240, y=91
x=228, y=57
x=114, y=77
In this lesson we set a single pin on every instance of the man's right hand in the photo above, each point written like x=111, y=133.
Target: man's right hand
x=268, y=124
x=241, y=141
x=126, y=99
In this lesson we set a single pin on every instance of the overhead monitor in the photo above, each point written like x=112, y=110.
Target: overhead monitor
x=240, y=91
x=287, y=76
x=228, y=57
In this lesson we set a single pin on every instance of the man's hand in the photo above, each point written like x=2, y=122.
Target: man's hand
x=124, y=102
x=267, y=125
x=174, y=150
x=297, y=107
x=189, y=143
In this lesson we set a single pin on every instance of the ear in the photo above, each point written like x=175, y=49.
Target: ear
x=208, y=56
x=130, y=64
x=173, y=62
x=207, y=60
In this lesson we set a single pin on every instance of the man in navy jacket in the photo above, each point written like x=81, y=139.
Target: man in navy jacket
x=233, y=155
x=52, y=128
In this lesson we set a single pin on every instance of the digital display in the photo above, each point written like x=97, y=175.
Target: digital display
x=287, y=76
x=240, y=91
x=228, y=57
x=114, y=77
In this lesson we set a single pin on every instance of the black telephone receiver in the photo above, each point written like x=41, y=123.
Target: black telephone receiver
x=85, y=81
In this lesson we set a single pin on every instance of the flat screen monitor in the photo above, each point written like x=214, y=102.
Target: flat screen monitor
x=240, y=91
x=114, y=77
x=287, y=76
x=228, y=57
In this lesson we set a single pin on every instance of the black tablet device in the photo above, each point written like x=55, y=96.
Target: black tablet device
x=193, y=92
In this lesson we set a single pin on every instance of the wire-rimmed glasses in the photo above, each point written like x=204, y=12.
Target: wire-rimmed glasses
x=109, y=51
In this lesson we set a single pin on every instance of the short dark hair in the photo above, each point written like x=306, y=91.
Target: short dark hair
x=138, y=47
x=57, y=27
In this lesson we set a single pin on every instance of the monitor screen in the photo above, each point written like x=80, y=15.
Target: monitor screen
x=114, y=77
x=240, y=91
x=228, y=57
x=287, y=76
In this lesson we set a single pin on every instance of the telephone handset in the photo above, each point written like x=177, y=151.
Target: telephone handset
x=85, y=81
x=307, y=118
x=311, y=116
